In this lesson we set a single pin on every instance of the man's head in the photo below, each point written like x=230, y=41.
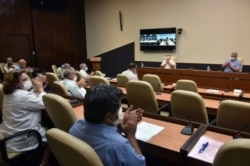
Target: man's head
x=22, y=63
x=167, y=56
x=69, y=74
x=101, y=104
x=66, y=66
x=9, y=60
x=234, y=56
x=83, y=66
x=132, y=66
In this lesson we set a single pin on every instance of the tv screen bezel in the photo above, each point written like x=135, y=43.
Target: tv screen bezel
x=158, y=31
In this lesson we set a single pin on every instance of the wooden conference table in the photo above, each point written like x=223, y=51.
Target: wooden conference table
x=169, y=145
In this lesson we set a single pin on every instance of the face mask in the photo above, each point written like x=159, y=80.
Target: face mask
x=75, y=78
x=119, y=117
x=233, y=58
x=27, y=85
x=86, y=69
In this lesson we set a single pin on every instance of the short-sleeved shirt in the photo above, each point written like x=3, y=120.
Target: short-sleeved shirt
x=112, y=148
x=236, y=64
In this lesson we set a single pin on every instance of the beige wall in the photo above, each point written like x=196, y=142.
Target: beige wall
x=212, y=29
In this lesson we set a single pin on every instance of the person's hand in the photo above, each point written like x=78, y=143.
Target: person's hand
x=37, y=84
x=129, y=122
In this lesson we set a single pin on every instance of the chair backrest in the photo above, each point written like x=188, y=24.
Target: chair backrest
x=189, y=85
x=122, y=80
x=3, y=69
x=1, y=96
x=96, y=80
x=233, y=152
x=70, y=150
x=234, y=115
x=140, y=94
x=51, y=77
x=188, y=105
x=54, y=69
x=154, y=80
x=99, y=73
x=78, y=75
x=60, y=111
x=59, y=88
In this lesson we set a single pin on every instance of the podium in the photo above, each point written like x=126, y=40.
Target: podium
x=96, y=63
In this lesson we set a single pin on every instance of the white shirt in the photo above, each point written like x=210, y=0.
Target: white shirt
x=22, y=111
x=75, y=90
x=167, y=66
x=84, y=74
x=131, y=75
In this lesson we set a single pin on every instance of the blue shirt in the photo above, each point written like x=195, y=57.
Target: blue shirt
x=236, y=64
x=112, y=148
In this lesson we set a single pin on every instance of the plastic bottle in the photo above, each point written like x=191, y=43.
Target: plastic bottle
x=142, y=65
x=208, y=68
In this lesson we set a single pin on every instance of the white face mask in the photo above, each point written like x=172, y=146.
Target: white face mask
x=75, y=78
x=27, y=85
x=119, y=117
x=233, y=58
x=86, y=69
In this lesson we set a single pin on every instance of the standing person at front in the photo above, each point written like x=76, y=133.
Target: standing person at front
x=168, y=62
x=102, y=111
x=22, y=105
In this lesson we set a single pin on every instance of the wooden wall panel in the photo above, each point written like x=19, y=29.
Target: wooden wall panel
x=55, y=36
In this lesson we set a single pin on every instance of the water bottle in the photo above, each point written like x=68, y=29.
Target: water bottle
x=208, y=68
x=142, y=65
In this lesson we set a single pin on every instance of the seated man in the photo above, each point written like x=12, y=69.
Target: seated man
x=167, y=62
x=232, y=65
x=75, y=88
x=102, y=110
x=131, y=71
x=84, y=70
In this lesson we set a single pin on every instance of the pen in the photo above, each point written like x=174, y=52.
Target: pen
x=203, y=147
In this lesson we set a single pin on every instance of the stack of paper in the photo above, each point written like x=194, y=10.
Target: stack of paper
x=145, y=131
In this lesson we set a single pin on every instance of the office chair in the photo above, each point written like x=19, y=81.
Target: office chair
x=78, y=75
x=154, y=80
x=99, y=73
x=51, y=77
x=29, y=157
x=122, y=80
x=60, y=111
x=189, y=85
x=233, y=152
x=96, y=80
x=140, y=94
x=188, y=105
x=70, y=150
x=54, y=69
x=234, y=114
x=3, y=69
x=60, y=89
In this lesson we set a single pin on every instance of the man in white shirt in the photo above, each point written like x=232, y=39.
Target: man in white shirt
x=168, y=62
x=83, y=70
x=75, y=88
x=131, y=72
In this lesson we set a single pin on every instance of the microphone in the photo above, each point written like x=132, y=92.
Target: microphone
x=241, y=94
x=226, y=90
x=158, y=92
x=238, y=135
x=189, y=128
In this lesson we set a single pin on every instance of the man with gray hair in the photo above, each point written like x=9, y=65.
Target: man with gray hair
x=75, y=88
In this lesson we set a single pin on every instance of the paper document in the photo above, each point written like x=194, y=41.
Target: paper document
x=145, y=131
x=205, y=149
x=212, y=91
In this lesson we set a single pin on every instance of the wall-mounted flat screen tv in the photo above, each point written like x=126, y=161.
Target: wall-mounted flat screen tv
x=158, y=39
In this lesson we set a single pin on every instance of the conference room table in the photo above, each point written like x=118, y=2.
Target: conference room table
x=169, y=146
